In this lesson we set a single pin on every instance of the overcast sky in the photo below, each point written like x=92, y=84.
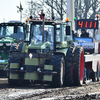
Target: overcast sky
x=8, y=9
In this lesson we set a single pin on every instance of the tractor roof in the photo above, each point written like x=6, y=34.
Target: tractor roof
x=12, y=24
x=47, y=22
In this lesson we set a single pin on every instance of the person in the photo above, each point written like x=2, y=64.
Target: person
x=74, y=34
x=41, y=15
x=19, y=35
x=84, y=33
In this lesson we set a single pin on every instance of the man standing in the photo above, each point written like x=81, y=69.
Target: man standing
x=84, y=34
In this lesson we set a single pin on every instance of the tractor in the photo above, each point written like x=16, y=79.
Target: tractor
x=50, y=56
x=11, y=32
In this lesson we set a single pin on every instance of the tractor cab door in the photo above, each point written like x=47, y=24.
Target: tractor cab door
x=63, y=36
x=64, y=33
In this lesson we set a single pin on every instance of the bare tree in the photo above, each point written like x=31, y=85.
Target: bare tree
x=52, y=8
x=58, y=8
x=87, y=8
x=33, y=9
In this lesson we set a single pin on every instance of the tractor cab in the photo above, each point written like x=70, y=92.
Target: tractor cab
x=86, y=38
x=15, y=31
x=53, y=35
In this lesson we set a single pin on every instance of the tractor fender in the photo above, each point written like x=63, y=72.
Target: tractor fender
x=59, y=53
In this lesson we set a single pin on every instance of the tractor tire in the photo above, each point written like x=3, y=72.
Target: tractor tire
x=58, y=63
x=78, y=66
x=10, y=58
x=13, y=82
x=18, y=60
x=68, y=81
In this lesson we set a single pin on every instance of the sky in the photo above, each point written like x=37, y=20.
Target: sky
x=8, y=9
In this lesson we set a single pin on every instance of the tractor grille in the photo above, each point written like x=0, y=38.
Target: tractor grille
x=4, y=51
x=34, y=50
x=30, y=68
x=4, y=48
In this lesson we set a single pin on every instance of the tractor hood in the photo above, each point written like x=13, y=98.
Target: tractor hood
x=7, y=40
x=39, y=48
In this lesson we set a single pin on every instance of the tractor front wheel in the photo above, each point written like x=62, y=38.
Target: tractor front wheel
x=58, y=63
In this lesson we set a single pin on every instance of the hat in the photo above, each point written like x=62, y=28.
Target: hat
x=82, y=29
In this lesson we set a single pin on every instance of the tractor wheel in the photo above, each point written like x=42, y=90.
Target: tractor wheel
x=68, y=81
x=78, y=66
x=13, y=82
x=58, y=63
x=18, y=60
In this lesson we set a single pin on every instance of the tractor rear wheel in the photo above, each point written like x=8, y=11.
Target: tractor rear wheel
x=68, y=81
x=58, y=63
x=78, y=66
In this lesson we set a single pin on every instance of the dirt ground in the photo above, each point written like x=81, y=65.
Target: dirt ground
x=90, y=91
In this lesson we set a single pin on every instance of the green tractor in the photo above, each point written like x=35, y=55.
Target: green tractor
x=10, y=33
x=49, y=57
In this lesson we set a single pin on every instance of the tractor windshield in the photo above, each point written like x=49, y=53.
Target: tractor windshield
x=13, y=31
x=36, y=32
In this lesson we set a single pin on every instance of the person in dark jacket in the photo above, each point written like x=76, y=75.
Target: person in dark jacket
x=84, y=34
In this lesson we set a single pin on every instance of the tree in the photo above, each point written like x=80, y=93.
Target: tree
x=87, y=8
x=58, y=8
x=54, y=8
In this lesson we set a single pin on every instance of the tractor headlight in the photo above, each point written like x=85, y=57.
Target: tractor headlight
x=21, y=68
x=8, y=44
x=1, y=44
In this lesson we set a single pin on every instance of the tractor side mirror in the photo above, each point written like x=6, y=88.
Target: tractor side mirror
x=27, y=32
x=67, y=30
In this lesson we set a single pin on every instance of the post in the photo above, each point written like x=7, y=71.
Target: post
x=43, y=29
x=61, y=10
x=70, y=12
x=52, y=9
x=20, y=16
